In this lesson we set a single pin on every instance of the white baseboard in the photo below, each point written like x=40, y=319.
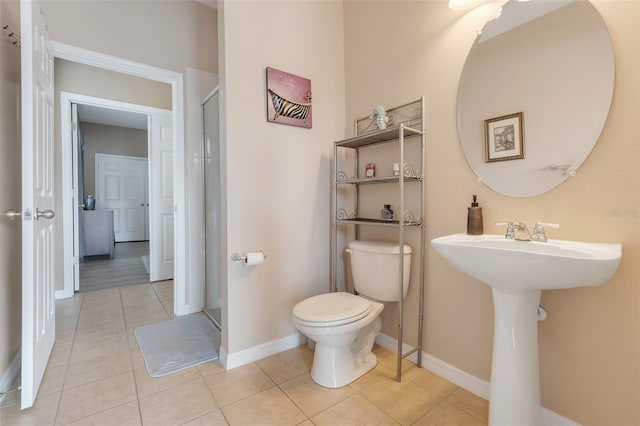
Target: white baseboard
x=549, y=418
x=12, y=372
x=264, y=350
x=62, y=294
x=223, y=357
x=463, y=379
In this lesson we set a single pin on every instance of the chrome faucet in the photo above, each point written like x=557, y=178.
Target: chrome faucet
x=516, y=230
x=538, y=231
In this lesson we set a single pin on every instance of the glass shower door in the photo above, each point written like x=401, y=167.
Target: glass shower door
x=213, y=294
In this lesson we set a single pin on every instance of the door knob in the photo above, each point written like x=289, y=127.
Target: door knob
x=11, y=214
x=47, y=214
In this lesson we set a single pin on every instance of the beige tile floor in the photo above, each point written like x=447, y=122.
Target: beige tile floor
x=96, y=376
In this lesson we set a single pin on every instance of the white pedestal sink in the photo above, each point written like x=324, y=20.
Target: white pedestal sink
x=517, y=272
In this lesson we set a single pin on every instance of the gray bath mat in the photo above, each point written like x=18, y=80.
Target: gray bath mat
x=174, y=345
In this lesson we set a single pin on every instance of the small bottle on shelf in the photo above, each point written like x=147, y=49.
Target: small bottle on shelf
x=386, y=213
x=370, y=170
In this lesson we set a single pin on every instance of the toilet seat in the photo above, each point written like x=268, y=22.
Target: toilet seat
x=331, y=309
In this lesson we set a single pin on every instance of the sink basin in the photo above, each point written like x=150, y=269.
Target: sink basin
x=530, y=265
x=517, y=272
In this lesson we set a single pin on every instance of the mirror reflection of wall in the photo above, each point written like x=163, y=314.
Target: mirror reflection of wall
x=553, y=61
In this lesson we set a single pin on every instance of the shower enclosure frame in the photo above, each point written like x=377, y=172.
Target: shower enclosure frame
x=211, y=158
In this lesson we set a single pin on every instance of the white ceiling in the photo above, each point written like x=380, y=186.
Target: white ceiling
x=112, y=117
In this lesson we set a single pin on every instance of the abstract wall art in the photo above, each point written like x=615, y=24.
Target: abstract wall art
x=288, y=99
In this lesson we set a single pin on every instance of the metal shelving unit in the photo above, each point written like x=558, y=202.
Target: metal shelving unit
x=406, y=127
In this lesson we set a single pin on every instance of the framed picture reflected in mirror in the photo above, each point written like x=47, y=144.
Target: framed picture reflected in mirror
x=504, y=137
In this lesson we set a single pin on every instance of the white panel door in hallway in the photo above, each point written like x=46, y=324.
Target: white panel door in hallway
x=38, y=223
x=121, y=186
x=161, y=250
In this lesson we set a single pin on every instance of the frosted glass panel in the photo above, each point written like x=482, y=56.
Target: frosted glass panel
x=212, y=207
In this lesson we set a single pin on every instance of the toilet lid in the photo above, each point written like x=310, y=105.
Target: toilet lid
x=331, y=309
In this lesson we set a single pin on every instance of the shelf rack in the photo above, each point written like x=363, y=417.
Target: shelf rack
x=406, y=125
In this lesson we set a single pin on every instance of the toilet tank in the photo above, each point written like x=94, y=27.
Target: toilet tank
x=375, y=269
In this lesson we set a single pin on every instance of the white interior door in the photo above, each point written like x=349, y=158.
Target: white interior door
x=121, y=186
x=38, y=226
x=161, y=241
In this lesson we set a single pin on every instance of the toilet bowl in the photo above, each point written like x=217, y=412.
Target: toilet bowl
x=344, y=326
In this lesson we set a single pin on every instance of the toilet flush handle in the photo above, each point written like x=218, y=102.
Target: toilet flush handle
x=348, y=250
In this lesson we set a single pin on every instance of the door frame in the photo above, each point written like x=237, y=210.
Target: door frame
x=68, y=164
x=182, y=305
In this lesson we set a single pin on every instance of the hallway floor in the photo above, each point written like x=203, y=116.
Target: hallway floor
x=96, y=376
x=126, y=268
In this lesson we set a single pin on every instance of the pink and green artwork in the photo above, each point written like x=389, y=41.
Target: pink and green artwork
x=288, y=98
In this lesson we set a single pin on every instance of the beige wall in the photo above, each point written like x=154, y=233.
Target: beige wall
x=590, y=343
x=10, y=242
x=102, y=139
x=168, y=34
x=277, y=176
x=91, y=81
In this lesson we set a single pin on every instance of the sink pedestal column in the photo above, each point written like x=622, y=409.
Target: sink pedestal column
x=515, y=379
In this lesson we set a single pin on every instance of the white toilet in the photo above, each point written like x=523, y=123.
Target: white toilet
x=344, y=326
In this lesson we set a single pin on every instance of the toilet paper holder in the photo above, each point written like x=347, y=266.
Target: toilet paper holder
x=236, y=257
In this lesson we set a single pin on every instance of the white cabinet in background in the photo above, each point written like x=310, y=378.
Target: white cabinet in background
x=98, y=232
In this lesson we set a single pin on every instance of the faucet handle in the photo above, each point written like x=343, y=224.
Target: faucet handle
x=538, y=231
x=511, y=234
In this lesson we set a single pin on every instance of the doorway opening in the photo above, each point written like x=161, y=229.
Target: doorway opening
x=121, y=192
x=182, y=305
x=113, y=192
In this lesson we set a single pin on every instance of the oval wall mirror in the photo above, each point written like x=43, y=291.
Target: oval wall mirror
x=534, y=94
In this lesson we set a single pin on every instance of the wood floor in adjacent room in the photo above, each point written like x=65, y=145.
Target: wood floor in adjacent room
x=126, y=268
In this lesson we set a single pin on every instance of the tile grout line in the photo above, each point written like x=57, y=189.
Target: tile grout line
x=91, y=381
x=66, y=370
x=214, y=399
x=355, y=392
x=463, y=408
x=155, y=291
x=442, y=401
x=284, y=392
x=210, y=393
x=107, y=409
x=135, y=382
